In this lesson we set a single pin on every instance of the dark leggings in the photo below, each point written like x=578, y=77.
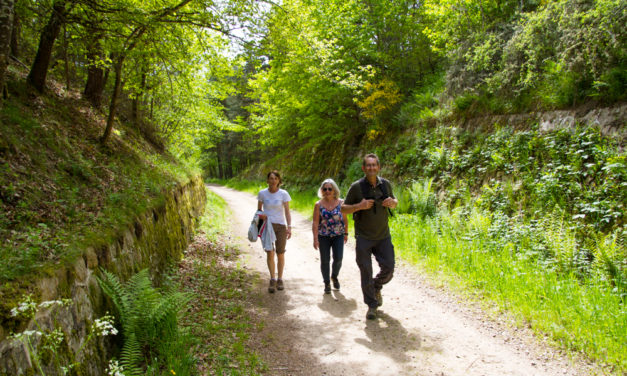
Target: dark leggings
x=326, y=244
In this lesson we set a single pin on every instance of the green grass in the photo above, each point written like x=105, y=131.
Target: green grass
x=219, y=317
x=584, y=316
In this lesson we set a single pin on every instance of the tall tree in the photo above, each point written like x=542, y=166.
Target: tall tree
x=96, y=81
x=131, y=41
x=6, y=24
x=39, y=70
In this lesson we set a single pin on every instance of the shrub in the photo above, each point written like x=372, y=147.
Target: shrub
x=149, y=321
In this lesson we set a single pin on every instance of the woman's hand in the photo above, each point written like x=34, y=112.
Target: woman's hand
x=345, y=238
x=316, y=243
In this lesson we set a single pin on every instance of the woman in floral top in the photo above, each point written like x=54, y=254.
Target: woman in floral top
x=330, y=232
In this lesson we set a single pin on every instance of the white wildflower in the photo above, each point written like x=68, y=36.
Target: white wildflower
x=49, y=303
x=56, y=337
x=104, y=326
x=26, y=308
x=25, y=334
x=115, y=369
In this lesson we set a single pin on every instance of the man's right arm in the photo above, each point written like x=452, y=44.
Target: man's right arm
x=363, y=205
x=351, y=206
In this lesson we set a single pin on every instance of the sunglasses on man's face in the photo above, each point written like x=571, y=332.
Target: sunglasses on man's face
x=327, y=189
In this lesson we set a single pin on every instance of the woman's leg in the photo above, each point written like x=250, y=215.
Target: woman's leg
x=337, y=244
x=325, y=256
x=280, y=263
x=281, y=240
x=270, y=260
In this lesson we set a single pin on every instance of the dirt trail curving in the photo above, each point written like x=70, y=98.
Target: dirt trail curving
x=420, y=330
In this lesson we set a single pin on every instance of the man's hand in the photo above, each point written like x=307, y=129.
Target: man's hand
x=389, y=203
x=366, y=204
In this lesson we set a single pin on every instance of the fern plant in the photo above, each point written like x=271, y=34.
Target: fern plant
x=148, y=318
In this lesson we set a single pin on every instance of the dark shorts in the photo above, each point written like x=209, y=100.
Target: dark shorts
x=281, y=237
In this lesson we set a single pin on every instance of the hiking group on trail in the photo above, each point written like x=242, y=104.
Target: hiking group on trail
x=370, y=200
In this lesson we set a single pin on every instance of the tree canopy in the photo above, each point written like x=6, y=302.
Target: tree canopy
x=315, y=75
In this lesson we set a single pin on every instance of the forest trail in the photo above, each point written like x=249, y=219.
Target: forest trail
x=420, y=330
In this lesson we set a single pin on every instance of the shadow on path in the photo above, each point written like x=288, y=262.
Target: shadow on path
x=387, y=335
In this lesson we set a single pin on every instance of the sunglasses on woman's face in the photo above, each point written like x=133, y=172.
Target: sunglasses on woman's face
x=327, y=189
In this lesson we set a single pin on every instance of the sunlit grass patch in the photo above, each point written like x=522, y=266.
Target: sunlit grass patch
x=520, y=274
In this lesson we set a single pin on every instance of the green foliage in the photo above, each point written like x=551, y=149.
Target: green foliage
x=322, y=84
x=60, y=191
x=149, y=320
x=579, y=171
x=554, y=54
x=423, y=105
x=537, y=270
x=418, y=198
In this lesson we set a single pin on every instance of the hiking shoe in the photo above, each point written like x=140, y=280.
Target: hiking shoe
x=336, y=283
x=279, y=284
x=377, y=295
x=272, y=286
x=327, y=288
x=371, y=314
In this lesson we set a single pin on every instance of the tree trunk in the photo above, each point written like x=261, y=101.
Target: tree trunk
x=15, y=36
x=220, y=172
x=66, y=58
x=152, y=106
x=39, y=70
x=96, y=79
x=114, y=99
x=135, y=115
x=6, y=23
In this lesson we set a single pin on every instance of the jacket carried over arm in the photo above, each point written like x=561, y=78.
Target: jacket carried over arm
x=262, y=229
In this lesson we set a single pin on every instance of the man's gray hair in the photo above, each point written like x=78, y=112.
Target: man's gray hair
x=336, y=189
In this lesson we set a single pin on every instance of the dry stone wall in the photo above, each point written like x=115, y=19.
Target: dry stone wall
x=612, y=121
x=157, y=238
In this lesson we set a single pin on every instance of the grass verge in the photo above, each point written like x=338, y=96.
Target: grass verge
x=218, y=316
x=578, y=315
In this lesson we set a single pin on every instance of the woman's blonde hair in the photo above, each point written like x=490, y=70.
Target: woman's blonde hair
x=336, y=189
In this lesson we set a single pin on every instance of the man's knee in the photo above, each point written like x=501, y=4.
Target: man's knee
x=384, y=276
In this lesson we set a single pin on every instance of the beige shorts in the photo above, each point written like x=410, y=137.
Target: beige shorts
x=281, y=237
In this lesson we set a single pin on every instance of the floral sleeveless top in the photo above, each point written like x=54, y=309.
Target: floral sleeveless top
x=331, y=221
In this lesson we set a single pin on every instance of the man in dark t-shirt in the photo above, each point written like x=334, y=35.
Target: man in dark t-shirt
x=371, y=199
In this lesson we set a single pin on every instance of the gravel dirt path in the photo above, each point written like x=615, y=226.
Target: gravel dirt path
x=421, y=330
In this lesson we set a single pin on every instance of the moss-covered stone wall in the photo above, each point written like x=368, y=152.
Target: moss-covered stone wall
x=157, y=238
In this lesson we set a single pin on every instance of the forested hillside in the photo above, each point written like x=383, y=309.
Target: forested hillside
x=104, y=99
x=328, y=75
